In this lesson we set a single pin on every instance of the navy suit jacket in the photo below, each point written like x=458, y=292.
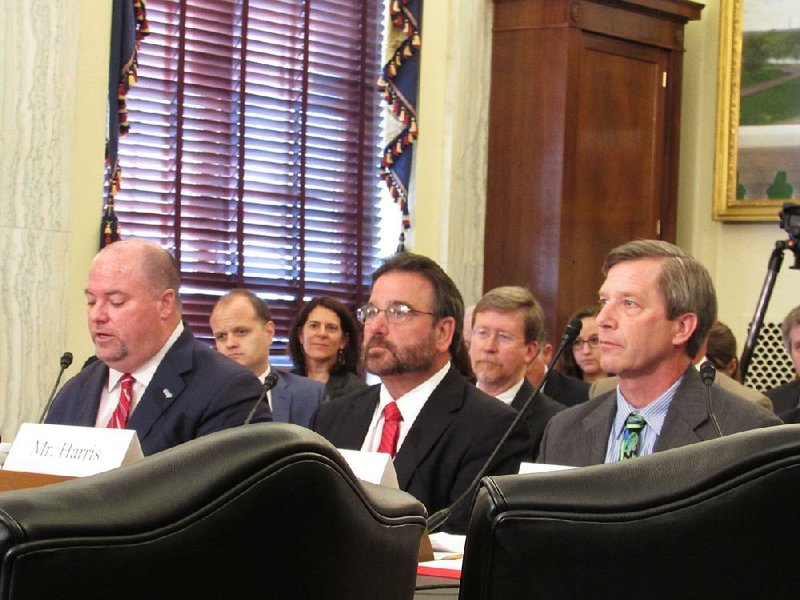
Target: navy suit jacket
x=579, y=436
x=295, y=399
x=451, y=439
x=194, y=391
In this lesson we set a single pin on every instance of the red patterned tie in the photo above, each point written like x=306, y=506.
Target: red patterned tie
x=120, y=416
x=391, y=429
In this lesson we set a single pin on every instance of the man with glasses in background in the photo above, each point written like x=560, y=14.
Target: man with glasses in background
x=506, y=328
x=439, y=428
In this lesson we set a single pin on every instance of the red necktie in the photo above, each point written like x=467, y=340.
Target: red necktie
x=391, y=429
x=120, y=417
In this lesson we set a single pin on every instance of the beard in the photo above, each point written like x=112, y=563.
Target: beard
x=398, y=361
x=488, y=370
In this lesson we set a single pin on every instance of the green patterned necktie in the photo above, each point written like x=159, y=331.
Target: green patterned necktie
x=632, y=436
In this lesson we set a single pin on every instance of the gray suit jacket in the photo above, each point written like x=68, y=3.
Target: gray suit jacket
x=295, y=399
x=578, y=436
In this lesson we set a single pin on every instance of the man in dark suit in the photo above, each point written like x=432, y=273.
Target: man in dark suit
x=440, y=428
x=152, y=375
x=564, y=389
x=507, y=324
x=658, y=304
x=243, y=331
x=786, y=398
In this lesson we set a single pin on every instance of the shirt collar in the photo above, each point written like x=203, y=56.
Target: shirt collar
x=144, y=374
x=654, y=413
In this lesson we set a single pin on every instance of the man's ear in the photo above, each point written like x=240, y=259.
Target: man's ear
x=685, y=326
x=445, y=329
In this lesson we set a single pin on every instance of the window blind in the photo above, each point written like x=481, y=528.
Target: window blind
x=253, y=150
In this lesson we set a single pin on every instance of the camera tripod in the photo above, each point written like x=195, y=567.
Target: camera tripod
x=790, y=221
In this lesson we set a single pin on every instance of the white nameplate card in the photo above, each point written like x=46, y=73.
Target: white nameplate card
x=69, y=450
x=527, y=467
x=374, y=467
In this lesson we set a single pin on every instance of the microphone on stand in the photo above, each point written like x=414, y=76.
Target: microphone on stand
x=707, y=374
x=270, y=381
x=66, y=361
x=437, y=519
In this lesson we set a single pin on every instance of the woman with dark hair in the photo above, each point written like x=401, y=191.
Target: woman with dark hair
x=324, y=344
x=582, y=358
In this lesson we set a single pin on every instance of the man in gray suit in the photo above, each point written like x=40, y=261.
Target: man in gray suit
x=658, y=304
x=243, y=331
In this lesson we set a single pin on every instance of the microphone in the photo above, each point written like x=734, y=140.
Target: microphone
x=707, y=374
x=66, y=361
x=437, y=519
x=270, y=381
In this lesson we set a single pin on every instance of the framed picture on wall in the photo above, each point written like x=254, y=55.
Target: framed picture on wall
x=758, y=109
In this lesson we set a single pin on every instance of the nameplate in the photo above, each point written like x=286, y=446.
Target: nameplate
x=69, y=450
x=373, y=467
x=527, y=467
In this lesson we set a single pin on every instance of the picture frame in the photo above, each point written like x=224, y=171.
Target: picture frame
x=756, y=164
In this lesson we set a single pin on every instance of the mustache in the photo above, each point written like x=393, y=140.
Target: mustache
x=485, y=358
x=377, y=342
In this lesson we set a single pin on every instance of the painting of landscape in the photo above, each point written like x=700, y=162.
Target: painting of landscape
x=768, y=159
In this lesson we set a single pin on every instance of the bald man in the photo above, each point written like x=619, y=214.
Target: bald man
x=152, y=375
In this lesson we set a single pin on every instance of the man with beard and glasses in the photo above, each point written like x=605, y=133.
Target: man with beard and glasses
x=151, y=375
x=506, y=327
x=439, y=428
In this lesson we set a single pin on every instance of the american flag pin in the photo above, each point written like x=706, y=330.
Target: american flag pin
x=167, y=394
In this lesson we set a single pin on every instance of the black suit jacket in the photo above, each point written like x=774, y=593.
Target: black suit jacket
x=785, y=398
x=538, y=415
x=566, y=390
x=451, y=439
x=194, y=391
x=579, y=436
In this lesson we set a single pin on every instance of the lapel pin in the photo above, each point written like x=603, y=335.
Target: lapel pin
x=167, y=394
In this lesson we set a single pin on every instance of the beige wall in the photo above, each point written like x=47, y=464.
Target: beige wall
x=52, y=74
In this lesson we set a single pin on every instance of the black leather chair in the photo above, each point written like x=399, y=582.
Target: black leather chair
x=717, y=519
x=261, y=511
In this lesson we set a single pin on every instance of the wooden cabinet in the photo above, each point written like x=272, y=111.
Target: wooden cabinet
x=583, y=140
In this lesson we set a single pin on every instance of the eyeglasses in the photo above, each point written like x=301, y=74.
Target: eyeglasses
x=396, y=312
x=593, y=342
x=483, y=334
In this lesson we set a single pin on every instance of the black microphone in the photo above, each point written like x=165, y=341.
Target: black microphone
x=437, y=519
x=707, y=374
x=66, y=361
x=270, y=381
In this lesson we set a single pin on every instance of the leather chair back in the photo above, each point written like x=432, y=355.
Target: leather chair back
x=260, y=511
x=716, y=519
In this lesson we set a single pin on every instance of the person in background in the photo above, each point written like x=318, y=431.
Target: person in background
x=786, y=398
x=324, y=345
x=657, y=306
x=582, y=359
x=508, y=323
x=564, y=389
x=151, y=375
x=721, y=350
x=243, y=331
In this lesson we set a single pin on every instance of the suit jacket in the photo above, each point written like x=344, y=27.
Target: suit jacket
x=579, y=436
x=340, y=384
x=295, y=399
x=785, y=397
x=194, y=391
x=538, y=415
x=601, y=386
x=566, y=390
x=448, y=444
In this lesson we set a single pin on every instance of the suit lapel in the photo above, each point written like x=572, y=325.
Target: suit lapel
x=522, y=396
x=165, y=387
x=357, y=418
x=281, y=400
x=687, y=412
x=87, y=411
x=436, y=416
x=597, y=428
